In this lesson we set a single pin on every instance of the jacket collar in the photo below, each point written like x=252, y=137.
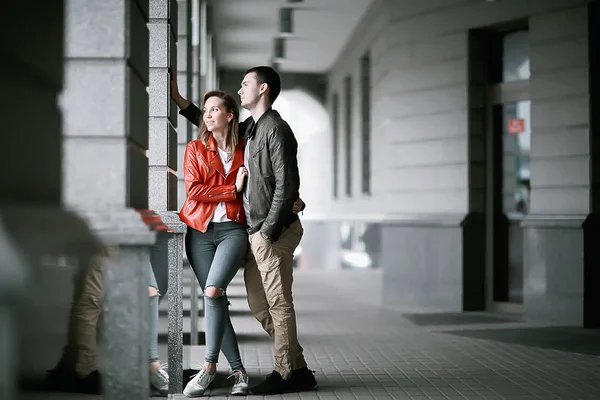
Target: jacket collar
x=253, y=126
x=214, y=159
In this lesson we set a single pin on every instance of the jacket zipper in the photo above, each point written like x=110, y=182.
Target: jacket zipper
x=205, y=163
x=250, y=217
x=208, y=169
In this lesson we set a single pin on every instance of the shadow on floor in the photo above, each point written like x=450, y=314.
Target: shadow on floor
x=573, y=340
x=253, y=337
x=464, y=318
x=37, y=383
x=45, y=383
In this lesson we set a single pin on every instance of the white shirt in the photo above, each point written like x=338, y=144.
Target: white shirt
x=220, y=214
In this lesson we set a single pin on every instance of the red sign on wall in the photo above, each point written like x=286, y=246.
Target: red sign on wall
x=516, y=126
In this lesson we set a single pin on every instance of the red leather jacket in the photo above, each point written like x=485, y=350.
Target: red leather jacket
x=207, y=184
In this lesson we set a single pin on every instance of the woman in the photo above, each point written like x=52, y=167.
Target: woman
x=216, y=241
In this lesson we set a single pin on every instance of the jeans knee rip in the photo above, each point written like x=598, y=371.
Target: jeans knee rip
x=157, y=291
x=217, y=296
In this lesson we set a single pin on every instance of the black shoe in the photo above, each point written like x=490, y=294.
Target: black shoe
x=274, y=384
x=90, y=384
x=64, y=380
x=60, y=379
x=302, y=379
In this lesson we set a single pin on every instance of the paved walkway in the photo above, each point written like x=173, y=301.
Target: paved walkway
x=360, y=351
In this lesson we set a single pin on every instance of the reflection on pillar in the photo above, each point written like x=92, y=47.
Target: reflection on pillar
x=105, y=170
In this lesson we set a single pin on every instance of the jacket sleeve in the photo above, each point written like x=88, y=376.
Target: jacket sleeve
x=196, y=189
x=192, y=114
x=283, y=150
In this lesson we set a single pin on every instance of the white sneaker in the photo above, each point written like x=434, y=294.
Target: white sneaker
x=240, y=387
x=199, y=383
x=160, y=381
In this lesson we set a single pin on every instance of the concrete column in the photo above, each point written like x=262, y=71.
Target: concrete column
x=591, y=276
x=163, y=111
x=561, y=180
x=205, y=56
x=210, y=79
x=162, y=191
x=196, y=50
x=32, y=223
x=194, y=95
x=185, y=130
x=188, y=21
x=105, y=170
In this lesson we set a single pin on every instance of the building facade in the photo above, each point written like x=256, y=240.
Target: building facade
x=463, y=137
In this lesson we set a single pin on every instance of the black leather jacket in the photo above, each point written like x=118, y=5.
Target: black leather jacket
x=274, y=180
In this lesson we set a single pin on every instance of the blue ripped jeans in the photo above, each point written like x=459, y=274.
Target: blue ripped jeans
x=153, y=321
x=216, y=256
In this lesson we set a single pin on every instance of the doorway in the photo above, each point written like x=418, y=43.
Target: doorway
x=508, y=143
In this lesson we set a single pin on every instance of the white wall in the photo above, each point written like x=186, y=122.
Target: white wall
x=420, y=102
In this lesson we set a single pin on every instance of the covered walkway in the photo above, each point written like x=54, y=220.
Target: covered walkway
x=360, y=350
x=450, y=144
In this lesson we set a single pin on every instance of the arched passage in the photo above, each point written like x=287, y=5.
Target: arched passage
x=310, y=121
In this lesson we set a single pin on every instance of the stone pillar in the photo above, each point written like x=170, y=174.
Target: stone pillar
x=196, y=50
x=32, y=223
x=163, y=111
x=163, y=27
x=210, y=80
x=188, y=21
x=591, y=277
x=204, y=58
x=185, y=130
x=560, y=276
x=194, y=95
x=105, y=170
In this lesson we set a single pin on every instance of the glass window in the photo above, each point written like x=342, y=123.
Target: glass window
x=336, y=138
x=516, y=158
x=515, y=56
x=348, y=120
x=365, y=81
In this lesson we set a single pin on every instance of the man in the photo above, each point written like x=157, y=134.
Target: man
x=275, y=231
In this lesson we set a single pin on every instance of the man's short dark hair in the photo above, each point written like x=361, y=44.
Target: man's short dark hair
x=266, y=74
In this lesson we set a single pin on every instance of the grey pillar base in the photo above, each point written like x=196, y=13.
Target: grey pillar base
x=175, y=331
x=433, y=263
x=124, y=344
x=561, y=269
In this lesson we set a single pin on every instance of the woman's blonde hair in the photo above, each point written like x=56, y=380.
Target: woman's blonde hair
x=232, y=134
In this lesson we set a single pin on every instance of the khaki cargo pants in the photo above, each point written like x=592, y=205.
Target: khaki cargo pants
x=80, y=353
x=268, y=275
